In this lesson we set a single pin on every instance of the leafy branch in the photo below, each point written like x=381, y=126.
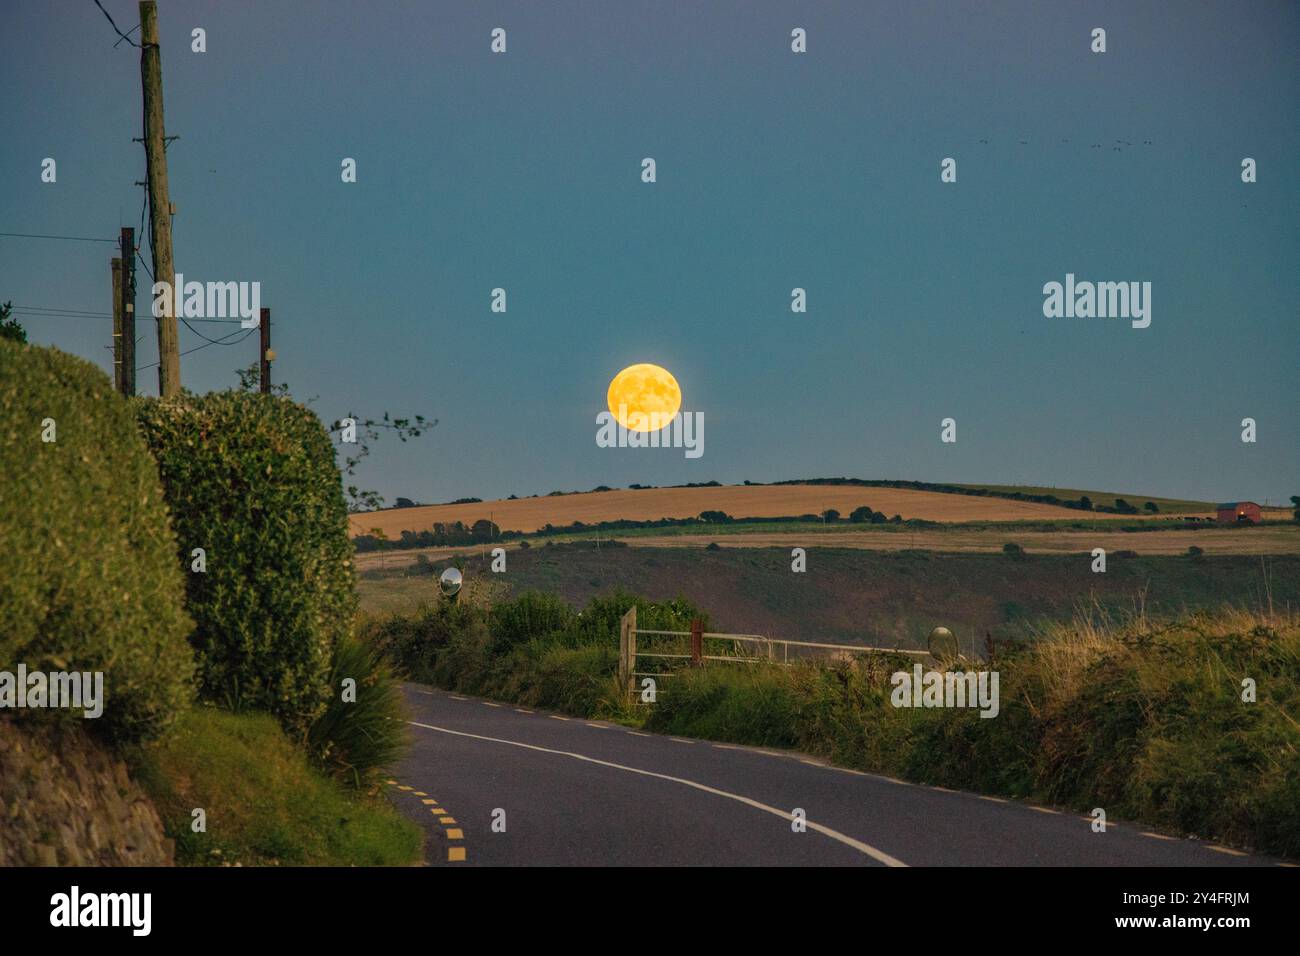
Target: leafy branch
x=364, y=431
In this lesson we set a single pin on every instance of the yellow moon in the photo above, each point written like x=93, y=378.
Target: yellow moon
x=644, y=397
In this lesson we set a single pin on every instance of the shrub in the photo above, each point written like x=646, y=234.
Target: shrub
x=90, y=581
x=355, y=739
x=251, y=479
x=1013, y=550
x=530, y=615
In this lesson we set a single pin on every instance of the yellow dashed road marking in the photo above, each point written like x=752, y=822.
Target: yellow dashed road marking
x=1158, y=836
x=520, y=710
x=556, y=717
x=943, y=789
x=1044, y=809
x=454, y=854
x=1224, y=849
x=1289, y=864
x=994, y=799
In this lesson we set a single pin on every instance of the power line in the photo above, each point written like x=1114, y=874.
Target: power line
x=44, y=312
x=115, y=29
x=205, y=345
x=78, y=313
x=33, y=235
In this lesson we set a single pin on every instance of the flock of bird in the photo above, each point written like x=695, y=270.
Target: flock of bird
x=1118, y=148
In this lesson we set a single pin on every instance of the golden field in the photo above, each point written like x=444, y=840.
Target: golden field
x=739, y=501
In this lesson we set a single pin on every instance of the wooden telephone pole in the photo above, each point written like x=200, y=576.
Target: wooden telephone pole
x=117, y=324
x=264, y=355
x=160, y=223
x=126, y=310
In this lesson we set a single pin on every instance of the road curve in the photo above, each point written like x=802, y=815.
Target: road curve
x=565, y=791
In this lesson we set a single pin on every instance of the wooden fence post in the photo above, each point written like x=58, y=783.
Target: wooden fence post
x=697, y=642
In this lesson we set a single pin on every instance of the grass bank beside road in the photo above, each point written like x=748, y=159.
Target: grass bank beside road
x=263, y=802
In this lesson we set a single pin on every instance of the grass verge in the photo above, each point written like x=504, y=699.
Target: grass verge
x=264, y=803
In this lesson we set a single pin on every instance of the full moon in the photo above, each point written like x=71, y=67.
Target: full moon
x=644, y=397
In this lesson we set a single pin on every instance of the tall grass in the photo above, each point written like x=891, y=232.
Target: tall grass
x=362, y=730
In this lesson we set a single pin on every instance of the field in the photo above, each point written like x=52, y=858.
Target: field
x=873, y=597
x=739, y=501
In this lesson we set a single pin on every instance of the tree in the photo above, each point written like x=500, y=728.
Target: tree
x=1295, y=500
x=1085, y=503
x=830, y=514
x=9, y=327
x=1152, y=507
x=860, y=515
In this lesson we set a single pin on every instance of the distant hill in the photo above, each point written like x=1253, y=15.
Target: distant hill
x=1106, y=499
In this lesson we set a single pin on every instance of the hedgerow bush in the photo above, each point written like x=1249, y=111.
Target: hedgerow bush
x=251, y=479
x=89, y=581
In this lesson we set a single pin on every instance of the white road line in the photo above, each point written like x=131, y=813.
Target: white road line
x=520, y=710
x=878, y=855
x=637, y=733
x=681, y=740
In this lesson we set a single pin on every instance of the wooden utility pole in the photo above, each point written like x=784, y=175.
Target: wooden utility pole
x=117, y=323
x=264, y=356
x=126, y=353
x=160, y=207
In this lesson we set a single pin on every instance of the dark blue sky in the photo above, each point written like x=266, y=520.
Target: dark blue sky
x=775, y=170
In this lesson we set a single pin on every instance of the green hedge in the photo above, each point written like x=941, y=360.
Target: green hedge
x=89, y=580
x=252, y=480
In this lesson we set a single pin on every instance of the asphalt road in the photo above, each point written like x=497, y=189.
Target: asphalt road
x=565, y=791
